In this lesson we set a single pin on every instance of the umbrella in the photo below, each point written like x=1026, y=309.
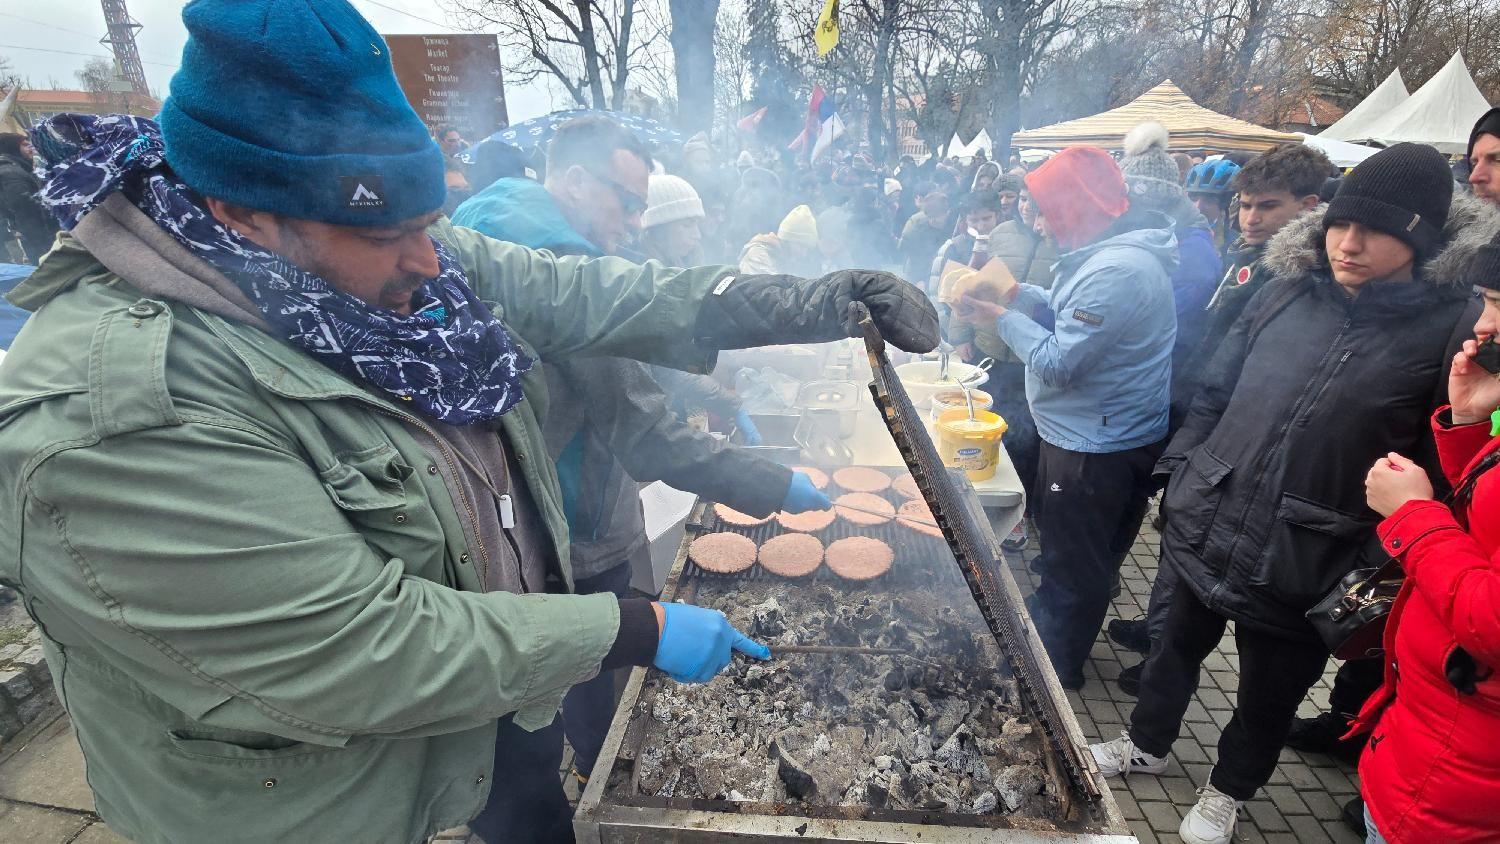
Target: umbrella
x=530, y=135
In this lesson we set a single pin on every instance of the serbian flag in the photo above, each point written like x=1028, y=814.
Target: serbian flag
x=749, y=122
x=832, y=128
x=819, y=108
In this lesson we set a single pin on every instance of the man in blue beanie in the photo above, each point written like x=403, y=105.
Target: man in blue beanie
x=287, y=520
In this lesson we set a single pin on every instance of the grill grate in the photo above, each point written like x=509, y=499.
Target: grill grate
x=978, y=560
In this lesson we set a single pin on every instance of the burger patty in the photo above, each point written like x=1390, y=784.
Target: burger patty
x=724, y=553
x=808, y=522
x=792, y=554
x=864, y=509
x=917, y=516
x=818, y=477
x=906, y=487
x=860, y=558
x=730, y=516
x=862, y=479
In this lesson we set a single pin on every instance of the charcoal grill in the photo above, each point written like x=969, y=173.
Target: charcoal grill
x=614, y=809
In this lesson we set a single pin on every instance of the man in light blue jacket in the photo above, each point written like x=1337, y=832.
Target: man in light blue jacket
x=1098, y=354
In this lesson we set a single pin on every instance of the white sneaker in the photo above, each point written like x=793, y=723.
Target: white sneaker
x=1122, y=757
x=1212, y=818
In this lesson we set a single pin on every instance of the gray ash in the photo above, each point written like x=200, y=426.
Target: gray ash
x=940, y=730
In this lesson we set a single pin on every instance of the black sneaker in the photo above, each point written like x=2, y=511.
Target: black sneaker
x=1130, y=634
x=1323, y=734
x=1353, y=816
x=1129, y=680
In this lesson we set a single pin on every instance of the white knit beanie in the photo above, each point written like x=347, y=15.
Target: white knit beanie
x=669, y=199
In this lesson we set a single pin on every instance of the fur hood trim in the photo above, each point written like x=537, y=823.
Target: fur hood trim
x=1298, y=248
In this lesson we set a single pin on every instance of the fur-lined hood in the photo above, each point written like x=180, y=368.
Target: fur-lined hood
x=1472, y=223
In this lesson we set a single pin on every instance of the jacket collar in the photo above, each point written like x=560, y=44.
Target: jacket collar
x=1298, y=248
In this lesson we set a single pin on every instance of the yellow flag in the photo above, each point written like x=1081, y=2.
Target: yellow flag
x=827, y=33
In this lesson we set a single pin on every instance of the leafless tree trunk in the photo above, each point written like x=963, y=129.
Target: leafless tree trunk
x=692, y=37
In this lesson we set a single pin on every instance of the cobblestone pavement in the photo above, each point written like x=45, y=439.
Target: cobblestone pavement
x=44, y=799
x=1302, y=801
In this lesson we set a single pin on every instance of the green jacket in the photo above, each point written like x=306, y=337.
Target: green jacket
x=254, y=590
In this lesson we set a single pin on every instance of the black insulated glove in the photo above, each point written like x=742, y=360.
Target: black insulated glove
x=768, y=310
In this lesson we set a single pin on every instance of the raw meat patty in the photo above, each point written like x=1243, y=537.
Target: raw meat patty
x=808, y=522
x=864, y=501
x=862, y=479
x=818, y=477
x=791, y=554
x=724, y=553
x=906, y=487
x=918, y=517
x=860, y=558
x=730, y=516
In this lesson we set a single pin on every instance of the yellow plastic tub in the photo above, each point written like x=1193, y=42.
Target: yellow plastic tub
x=972, y=445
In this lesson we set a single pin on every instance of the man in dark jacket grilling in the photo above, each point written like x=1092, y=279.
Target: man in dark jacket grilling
x=1338, y=361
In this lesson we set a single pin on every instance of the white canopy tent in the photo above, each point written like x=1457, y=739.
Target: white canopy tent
x=1372, y=109
x=1440, y=114
x=1342, y=153
x=981, y=142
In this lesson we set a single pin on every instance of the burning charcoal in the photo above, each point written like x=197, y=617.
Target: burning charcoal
x=661, y=709
x=793, y=773
x=960, y=753
x=769, y=619
x=1018, y=784
x=883, y=763
x=879, y=792
x=985, y=803
x=925, y=773
x=821, y=745
x=951, y=712
x=921, y=744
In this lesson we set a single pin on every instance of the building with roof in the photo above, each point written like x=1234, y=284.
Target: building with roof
x=34, y=105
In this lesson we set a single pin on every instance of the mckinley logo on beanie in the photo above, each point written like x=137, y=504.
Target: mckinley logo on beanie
x=367, y=191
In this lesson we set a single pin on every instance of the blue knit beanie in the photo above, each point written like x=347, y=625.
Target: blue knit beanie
x=291, y=107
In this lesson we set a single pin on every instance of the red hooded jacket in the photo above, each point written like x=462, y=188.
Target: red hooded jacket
x=1431, y=770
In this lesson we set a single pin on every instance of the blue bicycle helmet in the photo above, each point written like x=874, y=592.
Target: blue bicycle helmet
x=1212, y=177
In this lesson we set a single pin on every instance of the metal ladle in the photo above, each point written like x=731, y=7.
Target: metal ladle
x=965, y=384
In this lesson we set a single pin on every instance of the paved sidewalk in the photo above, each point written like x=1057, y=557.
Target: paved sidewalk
x=45, y=800
x=1302, y=801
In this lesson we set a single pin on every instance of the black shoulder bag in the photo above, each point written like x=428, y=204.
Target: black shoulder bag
x=1351, y=617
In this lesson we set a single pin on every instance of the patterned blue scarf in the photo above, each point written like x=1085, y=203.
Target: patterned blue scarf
x=451, y=358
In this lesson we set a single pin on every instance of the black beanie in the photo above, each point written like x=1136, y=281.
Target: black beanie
x=1485, y=270
x=1489, y=124
x=1403, y=191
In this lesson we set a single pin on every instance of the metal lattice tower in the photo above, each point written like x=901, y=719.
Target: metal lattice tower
x=121, y=40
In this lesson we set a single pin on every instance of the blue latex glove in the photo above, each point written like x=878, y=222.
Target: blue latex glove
x=747, y=428
x=697, y=643
x=802, y=496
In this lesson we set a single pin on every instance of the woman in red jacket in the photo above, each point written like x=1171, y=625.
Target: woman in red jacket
x=1431, y=770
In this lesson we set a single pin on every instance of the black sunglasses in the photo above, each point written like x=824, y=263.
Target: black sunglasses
x=630, y=201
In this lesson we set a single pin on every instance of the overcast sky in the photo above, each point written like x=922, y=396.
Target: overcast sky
x=50, y=39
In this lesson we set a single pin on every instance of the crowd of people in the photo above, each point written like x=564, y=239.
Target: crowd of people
x=1244, y=335
x=374, y=402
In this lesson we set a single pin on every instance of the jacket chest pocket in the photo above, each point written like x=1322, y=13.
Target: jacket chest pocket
x=385, y=501
x=1309, y=547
